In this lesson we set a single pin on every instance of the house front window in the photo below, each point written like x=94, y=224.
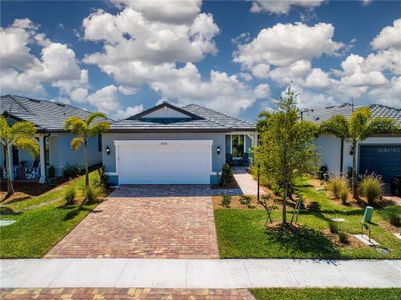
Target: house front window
x=237, y=143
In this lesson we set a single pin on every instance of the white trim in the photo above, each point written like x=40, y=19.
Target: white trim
x=111, y=173
x=127, y=142
x=42, y=148
x=117, y=158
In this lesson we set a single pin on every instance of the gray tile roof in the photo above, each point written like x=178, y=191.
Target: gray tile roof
x=209, y=120
x=46, y=115
x=322, y=114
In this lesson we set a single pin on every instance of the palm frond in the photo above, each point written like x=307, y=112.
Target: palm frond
x=75, y=125
x=29, y=144
x=76, y=143
x=93, y=116
x=4, y=131
x=337, y=125
x=382, y=125
x=99, y=128
x=22, y=129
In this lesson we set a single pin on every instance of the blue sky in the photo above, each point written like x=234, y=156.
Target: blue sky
x=232, y=56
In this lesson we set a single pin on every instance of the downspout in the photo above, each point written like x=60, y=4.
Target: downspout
x=342, y=156
x=44, y=147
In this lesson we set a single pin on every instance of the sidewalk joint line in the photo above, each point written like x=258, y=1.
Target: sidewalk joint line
x=59, y=274
x=121, y=273
x=247, y=274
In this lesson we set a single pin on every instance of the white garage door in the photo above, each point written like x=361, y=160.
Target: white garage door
x=164, y=162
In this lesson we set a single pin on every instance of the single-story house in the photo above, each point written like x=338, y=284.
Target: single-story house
x=380, y=154
x=54, y=141
x=171, y=145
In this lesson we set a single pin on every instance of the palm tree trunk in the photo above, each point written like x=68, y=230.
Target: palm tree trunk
x=86, y=163
x=10, y=187
x=355, y=194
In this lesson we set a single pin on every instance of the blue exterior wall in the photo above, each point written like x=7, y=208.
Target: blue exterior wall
x=61, y=153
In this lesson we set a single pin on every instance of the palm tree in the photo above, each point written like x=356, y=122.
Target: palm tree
x=357, y=128
x=20, y=135
x=83, y=130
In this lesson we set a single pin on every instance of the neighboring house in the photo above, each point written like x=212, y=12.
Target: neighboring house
x=54, y=141
x=171, y=145
x=380, y=154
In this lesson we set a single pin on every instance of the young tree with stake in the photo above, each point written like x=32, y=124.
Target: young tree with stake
x=286, y=150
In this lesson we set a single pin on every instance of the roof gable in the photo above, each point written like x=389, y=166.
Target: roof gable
x=165, y=111
x=189, y=118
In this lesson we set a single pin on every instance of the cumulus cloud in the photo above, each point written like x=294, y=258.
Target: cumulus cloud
x=166, y=11
x=284, y=44
x=282, y=6
x=106, y=100
x=155, y=44
x=222, y=92
x=23, y=72
x=285, y=53
x=389, y=37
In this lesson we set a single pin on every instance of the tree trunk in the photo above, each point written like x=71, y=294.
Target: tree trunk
x=355, y=194
x=285, y=204
x=10, y=187
x=86, y=163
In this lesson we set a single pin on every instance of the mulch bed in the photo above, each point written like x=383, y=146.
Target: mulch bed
x=27, y=189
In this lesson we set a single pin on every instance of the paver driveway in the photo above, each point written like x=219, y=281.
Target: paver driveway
x=146, y=222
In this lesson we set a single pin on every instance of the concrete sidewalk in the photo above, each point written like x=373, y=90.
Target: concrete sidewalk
x=196, y=273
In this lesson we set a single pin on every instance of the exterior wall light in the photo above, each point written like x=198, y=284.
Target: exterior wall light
x=218, y=150
x=108, y=150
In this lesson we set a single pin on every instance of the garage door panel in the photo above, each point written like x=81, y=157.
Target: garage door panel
x=384, y=160
x=166, y=162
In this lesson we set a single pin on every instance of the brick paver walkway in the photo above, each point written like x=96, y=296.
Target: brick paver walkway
x=247, y=184
x=144, y=227
x=134, y=293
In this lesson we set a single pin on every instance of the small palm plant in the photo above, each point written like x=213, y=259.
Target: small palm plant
x=20, y=135
x=83, y=130
x=357, y=128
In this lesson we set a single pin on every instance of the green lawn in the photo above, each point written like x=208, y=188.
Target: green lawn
x=330, y=293
x=38, y=229
x=241, y=232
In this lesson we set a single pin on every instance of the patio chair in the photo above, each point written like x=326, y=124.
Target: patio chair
x=32, y=173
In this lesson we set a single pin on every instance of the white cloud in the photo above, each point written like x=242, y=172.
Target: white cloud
x=106, y=100
x=318, y=79
x=144, y=42
x=292, y=73
x=222, y=92
x=22, y=72
x=128, y=112
x=165, y=11
x=262, y=91
x=282, y=6
x=389, y=94
x=366, y=2
x=389, y=37
x=131, y=38
x=127, y=90
x=284, y=44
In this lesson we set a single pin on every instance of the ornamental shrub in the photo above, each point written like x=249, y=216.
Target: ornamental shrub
x=226, y=175
x=371, y=187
